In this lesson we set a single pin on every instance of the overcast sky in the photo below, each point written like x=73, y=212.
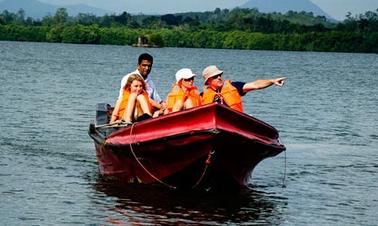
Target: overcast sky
x=336, y=8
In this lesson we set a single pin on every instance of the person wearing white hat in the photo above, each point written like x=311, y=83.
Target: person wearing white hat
x=184, y=94
x=230, y=93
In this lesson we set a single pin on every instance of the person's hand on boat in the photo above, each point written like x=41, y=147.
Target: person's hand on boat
x=279, y=81
x=163, y=105
x=125, y=122
x=120, y=122
x=162, y=109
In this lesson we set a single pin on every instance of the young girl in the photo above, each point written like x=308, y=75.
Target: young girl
x=134, y=103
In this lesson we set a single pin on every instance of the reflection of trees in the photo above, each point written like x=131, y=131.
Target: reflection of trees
x=156, y=205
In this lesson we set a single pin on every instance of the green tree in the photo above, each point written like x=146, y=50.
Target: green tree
x=61, y=16
x=55, y=34
x=86, y=19
x=155, y=39
x=7, y=17
x=152, y=22
x=20, y=17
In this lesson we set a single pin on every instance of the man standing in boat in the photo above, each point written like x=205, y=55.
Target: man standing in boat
x=230, y=93
x=144, y=67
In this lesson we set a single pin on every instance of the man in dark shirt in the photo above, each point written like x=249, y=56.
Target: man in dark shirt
x=215, y=84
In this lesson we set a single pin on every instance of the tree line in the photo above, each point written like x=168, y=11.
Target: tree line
x=231, y=29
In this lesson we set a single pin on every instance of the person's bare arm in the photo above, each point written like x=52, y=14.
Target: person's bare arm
x=263, y=83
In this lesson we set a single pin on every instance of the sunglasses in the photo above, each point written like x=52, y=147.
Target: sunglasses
x=217, y=76
x=188, y=79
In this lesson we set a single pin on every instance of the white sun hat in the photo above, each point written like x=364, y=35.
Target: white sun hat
x=184, y=73
x=211, y=71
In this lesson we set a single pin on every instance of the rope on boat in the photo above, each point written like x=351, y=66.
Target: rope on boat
x=285, y=169
x=112, y=125
x=208, y=161
x=141, y=165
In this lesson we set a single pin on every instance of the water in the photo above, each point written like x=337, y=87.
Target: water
x=326, y=114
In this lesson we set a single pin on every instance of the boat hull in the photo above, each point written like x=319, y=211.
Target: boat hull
x=209, y=146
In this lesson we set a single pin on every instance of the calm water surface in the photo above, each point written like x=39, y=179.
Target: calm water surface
x=326, y=113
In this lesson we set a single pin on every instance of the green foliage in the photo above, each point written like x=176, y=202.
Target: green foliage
x=231, y=29
x=15, y=32
x=370, y=44
x=61, y=16
x=367, y=22
x=112, y=36
x=74, y=34
x=155, y=39
x=202, y=39
x=173, y=38
x=55, y=34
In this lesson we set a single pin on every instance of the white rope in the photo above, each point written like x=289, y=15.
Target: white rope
x=112, y=125
x=207, y=163
x=141, y=165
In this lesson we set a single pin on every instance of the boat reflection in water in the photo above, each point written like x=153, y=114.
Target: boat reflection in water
x=155, y=205
x=209, y=147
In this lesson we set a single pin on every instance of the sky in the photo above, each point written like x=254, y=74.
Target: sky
x=339, y=8
x=336, y=8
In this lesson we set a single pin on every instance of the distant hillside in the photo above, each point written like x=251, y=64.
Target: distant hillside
x=283, y=6
x=37, y=10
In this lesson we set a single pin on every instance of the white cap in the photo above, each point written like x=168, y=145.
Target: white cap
x=184, y=73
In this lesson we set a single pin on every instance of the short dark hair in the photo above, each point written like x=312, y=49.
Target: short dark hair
x=145, y=56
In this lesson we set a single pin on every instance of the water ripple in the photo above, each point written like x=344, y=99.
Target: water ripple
x=326, y=115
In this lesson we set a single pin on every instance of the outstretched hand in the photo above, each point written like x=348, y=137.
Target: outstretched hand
x=279, y=81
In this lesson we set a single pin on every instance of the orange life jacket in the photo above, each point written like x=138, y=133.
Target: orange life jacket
x=177, y=94
x=125, y=100
x=229, y=94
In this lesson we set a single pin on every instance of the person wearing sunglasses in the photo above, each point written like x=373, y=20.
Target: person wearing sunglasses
x=230, y=93
x=184, y=94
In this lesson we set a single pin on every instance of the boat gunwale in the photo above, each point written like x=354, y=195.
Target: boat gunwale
x=213, y=131
x=208, y=107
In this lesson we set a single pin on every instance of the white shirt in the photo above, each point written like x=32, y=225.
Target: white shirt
x=151, y=89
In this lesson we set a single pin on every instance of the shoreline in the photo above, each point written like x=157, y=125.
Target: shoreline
x=330, y=41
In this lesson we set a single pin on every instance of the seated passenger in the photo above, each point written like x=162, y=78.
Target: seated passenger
x=135, y=104
x=184, y=94
x=230, y=93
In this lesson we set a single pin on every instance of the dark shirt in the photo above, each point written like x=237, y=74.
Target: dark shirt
x=239, y=86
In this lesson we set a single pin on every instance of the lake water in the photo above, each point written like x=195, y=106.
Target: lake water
x=326, y=113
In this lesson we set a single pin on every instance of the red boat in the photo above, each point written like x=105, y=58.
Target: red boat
x=211, y=146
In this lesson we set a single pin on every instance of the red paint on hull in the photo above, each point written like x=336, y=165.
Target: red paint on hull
x=174, y=148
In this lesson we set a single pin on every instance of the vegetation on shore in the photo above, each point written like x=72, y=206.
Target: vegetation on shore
x=231, y=29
